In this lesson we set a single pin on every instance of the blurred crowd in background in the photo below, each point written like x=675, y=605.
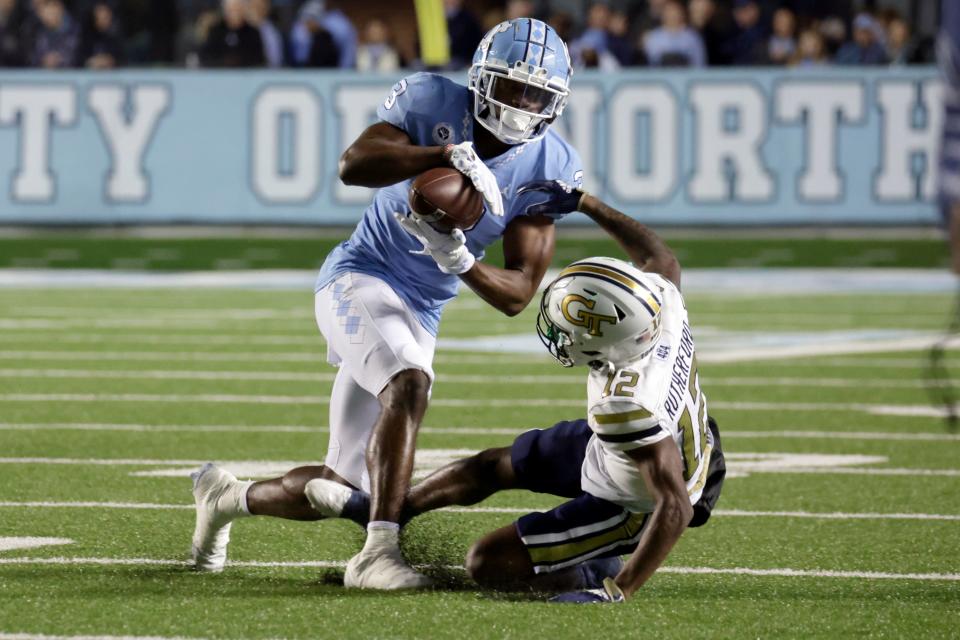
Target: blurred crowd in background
x=382, y=36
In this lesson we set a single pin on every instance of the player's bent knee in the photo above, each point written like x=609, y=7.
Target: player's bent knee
x=408, y=390
x=499, y=560
x=480, y=563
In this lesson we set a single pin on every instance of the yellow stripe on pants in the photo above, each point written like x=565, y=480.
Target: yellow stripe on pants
x=554, y=554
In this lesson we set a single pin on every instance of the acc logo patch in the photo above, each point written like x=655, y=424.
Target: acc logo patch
x=443, y=133
x=663, y=352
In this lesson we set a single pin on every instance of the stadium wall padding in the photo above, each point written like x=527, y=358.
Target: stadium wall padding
x=730, y=147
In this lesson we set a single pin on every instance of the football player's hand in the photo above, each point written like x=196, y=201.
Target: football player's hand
x=609, y=593
x=464, y=159
x=449, y=250
x=558, y=197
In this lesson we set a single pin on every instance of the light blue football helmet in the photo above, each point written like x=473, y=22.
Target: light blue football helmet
x=520, y=79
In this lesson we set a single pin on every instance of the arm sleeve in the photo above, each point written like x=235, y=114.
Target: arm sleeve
x=563, y=164
x=411, y=99
x=623, y=425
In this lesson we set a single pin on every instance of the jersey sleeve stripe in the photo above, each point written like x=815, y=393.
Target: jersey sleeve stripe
x=626, y=416
x=630, y=437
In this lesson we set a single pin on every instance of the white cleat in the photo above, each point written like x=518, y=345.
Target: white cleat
x=212, y=533
x=327, y=497
x=384, y=569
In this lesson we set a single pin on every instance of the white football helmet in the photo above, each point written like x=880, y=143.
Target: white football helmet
x=600, y=310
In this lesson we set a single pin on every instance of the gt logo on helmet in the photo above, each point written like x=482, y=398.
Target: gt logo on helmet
x=593, y=322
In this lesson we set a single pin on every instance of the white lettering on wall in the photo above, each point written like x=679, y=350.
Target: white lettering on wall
x=902, y=140
x=302, y=107
x=127, y=139
x=36, y=109
x=823, y=106
x=659, y=180
x=717, y=146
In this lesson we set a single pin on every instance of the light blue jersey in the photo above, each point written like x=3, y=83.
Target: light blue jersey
x=433, y=110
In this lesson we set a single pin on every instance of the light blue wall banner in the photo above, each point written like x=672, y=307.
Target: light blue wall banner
x=756, y=146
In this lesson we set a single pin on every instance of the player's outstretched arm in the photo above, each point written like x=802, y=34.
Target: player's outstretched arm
x=527, y=251
x=660, y=466
x=385, y=155
x=643, y=246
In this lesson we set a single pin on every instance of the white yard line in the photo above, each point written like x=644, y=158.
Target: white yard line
x=218, y=428
x=325, y=564
x=724, y=513
x=30, y=542
x=163, y=356
x=263, y=399
x=114, y=338
x=249, y=356
x=38, y=636
x=917, y=363
x=845, y=435
x=578, y=380
x=290, y=428
x=779, y=463
x=507, y=403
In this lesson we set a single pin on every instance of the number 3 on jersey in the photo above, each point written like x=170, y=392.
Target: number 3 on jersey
x=626, y=386
x=398, y=88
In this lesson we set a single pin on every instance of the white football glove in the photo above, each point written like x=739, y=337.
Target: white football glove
x=449, y=250
x=465, y=160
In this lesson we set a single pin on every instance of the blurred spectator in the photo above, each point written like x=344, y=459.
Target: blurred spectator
x=491, y=18
x=231, y=41
x=57, y=39
x=520, y=9
x=811, y=50
x=834, y=33
x=748, y=45
x=619, y=41
x=783, y=43
x=865, y=48
x=901, y=46
x=715, y=27
x=258, y=16
x=562, y=23
x=162, y=27
x=815, y=10
x=377, y=53
x=594, y=37
x=11, y=43
x=464, y=32
x=101, y=43
x=309, y=43
x=674, y=43
x=651, y=18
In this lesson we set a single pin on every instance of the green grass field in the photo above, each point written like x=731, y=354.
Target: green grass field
x=841, y=517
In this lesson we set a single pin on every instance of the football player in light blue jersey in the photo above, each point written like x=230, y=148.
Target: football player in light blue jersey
x=380, y=294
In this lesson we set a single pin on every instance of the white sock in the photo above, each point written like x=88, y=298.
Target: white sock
x=382, y=535
x=234, y=500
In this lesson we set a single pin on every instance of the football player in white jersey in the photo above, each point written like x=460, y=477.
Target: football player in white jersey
x=643, y=466
x=380, y=294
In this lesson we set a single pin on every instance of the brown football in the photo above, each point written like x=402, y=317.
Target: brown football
x=446, y=199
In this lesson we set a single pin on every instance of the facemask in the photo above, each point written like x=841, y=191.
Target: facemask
x=515, y=120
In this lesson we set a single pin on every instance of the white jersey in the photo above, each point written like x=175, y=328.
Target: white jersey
x=643, y=402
